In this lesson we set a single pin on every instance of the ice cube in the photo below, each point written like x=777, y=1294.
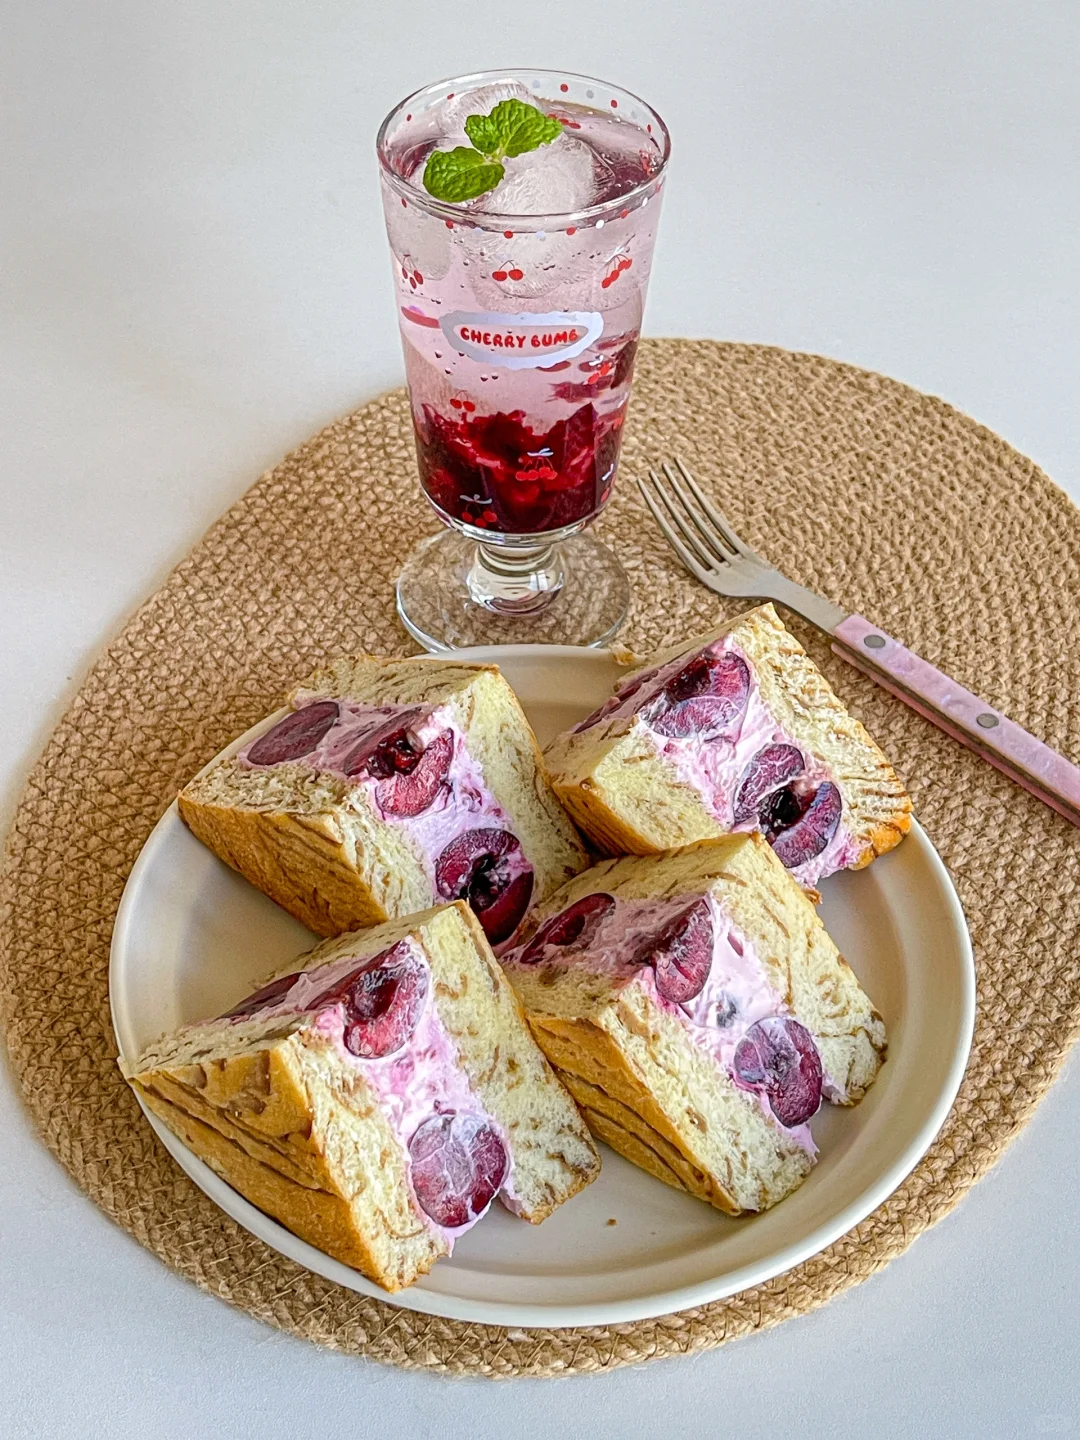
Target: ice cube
x=529, y=266
x=452, y=114
x=418, y=241
x=551, y=180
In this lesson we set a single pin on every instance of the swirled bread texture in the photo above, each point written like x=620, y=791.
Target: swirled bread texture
x=376, y=1100
x=698, y=1011
x=407, y=762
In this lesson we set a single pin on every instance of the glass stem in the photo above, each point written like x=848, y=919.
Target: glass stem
x=515, y=579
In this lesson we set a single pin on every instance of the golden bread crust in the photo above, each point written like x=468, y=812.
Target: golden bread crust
x=626, y=1132
x=303, y=862
x=268, y=1126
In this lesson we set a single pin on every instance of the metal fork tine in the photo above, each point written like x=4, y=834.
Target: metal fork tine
x=693, y=556
x=672, y=539
x=716, y=544
x=710, y=558
x=699, y=534
x=719, y=519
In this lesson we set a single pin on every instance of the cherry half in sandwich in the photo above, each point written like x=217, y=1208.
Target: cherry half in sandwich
x=710, y=979
x=709, y=721
x=487, y=868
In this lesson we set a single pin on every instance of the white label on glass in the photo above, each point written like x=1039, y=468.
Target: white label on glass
x=522, y=342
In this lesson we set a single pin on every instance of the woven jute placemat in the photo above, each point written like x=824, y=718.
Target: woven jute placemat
x=884, y=499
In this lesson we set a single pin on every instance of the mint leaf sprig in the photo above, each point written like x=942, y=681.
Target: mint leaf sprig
x=460, y=174
x=512, y=128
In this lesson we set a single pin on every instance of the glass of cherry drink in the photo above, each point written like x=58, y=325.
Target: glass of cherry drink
x=521, y=208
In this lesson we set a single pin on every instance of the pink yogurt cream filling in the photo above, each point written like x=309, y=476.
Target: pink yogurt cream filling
x=736, y=993
x=714, y=766
x=421, y=1079
x=462, y=803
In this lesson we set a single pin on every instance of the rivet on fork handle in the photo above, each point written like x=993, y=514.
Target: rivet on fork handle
x=952, y=708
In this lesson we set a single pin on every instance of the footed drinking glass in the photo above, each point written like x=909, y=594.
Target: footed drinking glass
x=520, y=312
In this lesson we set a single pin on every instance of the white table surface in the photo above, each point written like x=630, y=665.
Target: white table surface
x=195, y=280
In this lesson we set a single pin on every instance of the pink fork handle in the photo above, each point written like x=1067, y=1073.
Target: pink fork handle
x=961, y=714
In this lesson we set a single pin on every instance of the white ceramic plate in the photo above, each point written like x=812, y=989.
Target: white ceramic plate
x=192, y=937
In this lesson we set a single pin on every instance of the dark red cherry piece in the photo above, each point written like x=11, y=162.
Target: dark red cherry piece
x=295, y=736
x=681, y=953
x=397, y=754
x=501, y=916
x=576, y=923
x=475, y=867
x=458, y=1165
x=383, y=1000
x=390, y=747
x=778, y=1056
x=707, y=674
x=767, y=771
x=707, y=697
x=601, y=713
x=456, y=866
x=704, y=715
x=622, y=693
x=264, y=998
x=413, y=790
x=809, y=831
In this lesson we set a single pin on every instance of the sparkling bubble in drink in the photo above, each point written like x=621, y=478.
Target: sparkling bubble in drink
x=521, y=210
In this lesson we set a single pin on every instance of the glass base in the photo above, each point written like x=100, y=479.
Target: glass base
x=454, y=593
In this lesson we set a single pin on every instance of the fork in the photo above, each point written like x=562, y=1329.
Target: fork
x=708, y=545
